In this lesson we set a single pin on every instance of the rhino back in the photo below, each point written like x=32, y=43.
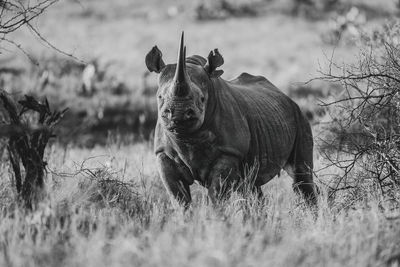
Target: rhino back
x=271, y=121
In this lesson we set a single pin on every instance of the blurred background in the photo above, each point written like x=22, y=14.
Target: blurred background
x=105, y=83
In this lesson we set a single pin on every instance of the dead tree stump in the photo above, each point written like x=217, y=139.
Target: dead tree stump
x=28, y=130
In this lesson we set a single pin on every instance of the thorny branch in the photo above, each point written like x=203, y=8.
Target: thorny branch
x=15, y=14
x=366, y=142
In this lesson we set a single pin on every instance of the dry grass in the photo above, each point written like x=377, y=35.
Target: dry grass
x=81, y=224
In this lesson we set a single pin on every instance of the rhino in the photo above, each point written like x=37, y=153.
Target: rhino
x=210, y=130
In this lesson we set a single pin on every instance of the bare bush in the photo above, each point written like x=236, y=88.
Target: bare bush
x=366, y=128
x=104, y=189
x=27, y=141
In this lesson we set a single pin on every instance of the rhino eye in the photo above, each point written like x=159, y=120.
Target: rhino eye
x=202, y=99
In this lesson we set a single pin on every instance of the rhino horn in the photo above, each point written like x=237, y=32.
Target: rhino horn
x=181, y=85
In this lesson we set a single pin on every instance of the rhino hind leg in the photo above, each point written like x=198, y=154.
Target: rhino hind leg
x=303, y=182
x=300, y=164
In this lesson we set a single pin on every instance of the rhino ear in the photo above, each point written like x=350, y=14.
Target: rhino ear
x=154, y=60
x=214, y=60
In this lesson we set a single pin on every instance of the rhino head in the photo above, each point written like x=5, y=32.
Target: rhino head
x=183, y=89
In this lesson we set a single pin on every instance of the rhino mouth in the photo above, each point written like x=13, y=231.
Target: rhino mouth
x=182, y=125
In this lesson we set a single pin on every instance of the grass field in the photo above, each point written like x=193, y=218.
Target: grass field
x=89, y=220
x=106, y=205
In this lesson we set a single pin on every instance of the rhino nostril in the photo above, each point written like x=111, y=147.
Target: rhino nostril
x=189, y=114
x=168, y=113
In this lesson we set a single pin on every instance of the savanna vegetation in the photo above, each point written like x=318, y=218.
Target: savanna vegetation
x=101, y=202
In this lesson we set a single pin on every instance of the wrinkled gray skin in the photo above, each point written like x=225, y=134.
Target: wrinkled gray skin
x=209, y=129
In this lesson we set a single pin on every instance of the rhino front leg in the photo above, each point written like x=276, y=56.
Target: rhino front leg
x=176, y=185
x=223, y=177
x=258, y=192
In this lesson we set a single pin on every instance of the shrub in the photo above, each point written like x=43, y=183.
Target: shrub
x=27, y=140
x=366, y=125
